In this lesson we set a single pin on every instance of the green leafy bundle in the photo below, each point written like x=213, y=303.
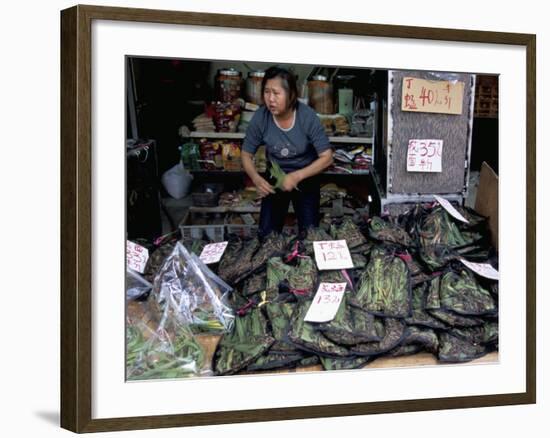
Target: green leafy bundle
x=278, y=174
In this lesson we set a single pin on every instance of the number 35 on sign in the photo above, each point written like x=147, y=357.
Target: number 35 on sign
x=424, y=155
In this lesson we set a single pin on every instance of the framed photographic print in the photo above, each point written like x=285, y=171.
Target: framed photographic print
x=143, y=91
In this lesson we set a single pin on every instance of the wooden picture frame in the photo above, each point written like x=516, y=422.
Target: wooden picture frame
x=76, y=217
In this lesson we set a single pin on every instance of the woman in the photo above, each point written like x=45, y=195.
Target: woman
x=296, y=140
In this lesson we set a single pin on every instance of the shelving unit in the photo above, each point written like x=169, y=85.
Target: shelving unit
x=206, y=172
x=240, y=136
x=356, y=181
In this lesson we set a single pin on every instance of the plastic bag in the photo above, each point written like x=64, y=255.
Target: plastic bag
x=186, y=290
x=349, y=232
x=190, y=155
x=242, y=346
x=177, y=181
x=216, y=282
x=136, y=285
x=385, y=286
x=163, y=354
x=385, y=231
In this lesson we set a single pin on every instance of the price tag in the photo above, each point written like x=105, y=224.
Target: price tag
x=483, y=269
x=450, y=209
x=424, y=155
x=326, y=302
x=332, y=254
x=212, y=253
x=420, y=95
x=136, y=256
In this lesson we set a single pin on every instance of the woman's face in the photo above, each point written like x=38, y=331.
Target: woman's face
x=275, y=97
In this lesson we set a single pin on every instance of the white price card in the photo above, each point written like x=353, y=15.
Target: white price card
x=483, y=269
x=332, y=254
x=136, y=256
x=450, y=209
x=424, y=155
x=326, y=302
x=213, y=252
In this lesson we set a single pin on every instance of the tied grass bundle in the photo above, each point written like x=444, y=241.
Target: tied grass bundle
x=278, y=174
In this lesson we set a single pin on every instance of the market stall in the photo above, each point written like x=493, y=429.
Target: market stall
x=399, y=271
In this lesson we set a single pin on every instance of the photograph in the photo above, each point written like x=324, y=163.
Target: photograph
x=294, y=217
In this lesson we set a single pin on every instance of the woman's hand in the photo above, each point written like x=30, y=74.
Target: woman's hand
x=263, y=187
x=291, y=181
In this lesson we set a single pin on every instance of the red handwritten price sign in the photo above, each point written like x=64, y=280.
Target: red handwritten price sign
x=213, y=252
x=326, y=302
x=483, y=269
x=332, y=254
x=136, y=256
x=420, y=95
x=424, y=155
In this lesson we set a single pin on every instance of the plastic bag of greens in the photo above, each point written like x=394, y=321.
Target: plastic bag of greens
x=157, y=259
x=348, y=231
x=223, y=288
x=386, y=231
x=248, y=340
x=440, y=228
x=136, y=285
x=385, y=286
x=170, y=352
x=185, y=289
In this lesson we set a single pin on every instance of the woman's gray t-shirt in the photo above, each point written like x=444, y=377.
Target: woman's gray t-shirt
x=292, y=149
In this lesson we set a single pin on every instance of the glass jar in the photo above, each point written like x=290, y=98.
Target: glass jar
x=254, y=87
x=344, y=94
x=228, y=85
x=320, y=95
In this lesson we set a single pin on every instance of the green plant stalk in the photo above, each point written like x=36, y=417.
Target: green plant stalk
x=277, y=173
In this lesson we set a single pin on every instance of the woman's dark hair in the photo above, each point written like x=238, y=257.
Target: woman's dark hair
x=288, y=81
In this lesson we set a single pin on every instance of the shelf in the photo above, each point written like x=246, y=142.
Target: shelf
x=220, y=172
x=240, y=135
x=206, y=134
x=251, y=209
x=347, y=139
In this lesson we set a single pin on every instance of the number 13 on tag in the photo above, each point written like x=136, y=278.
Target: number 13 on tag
x=326, y=302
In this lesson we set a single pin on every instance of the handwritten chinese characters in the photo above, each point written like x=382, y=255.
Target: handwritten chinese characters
x=420, y=95
x=332, y=254
x=424, y=155
x=136, y=256
x=212, y=253
x=326, y=302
